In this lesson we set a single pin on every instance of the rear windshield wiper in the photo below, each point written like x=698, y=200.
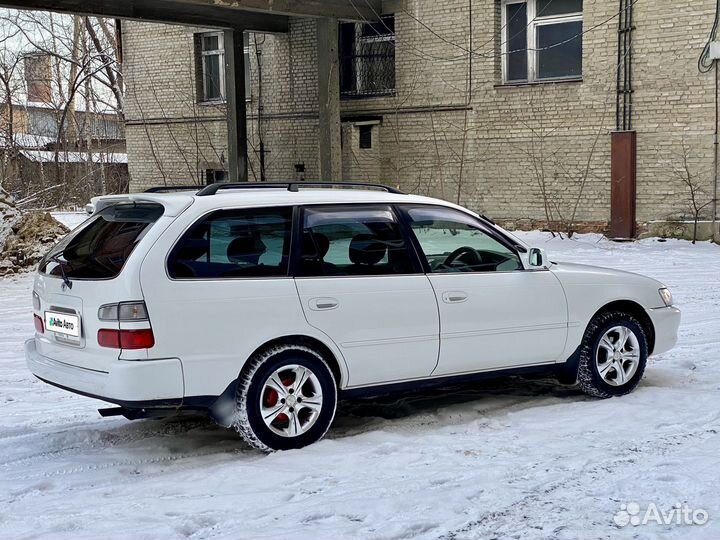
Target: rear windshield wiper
x=56, y=258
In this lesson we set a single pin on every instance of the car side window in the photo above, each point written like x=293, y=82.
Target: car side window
x=252, y=242
x=454, y=242
x=353, y=241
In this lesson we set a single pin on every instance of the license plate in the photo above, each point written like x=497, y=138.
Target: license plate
x=62, y=323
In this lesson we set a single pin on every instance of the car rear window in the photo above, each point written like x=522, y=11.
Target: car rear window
x=100, y=248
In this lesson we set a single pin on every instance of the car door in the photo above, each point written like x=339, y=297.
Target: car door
x=494, y=314
x=360, y=283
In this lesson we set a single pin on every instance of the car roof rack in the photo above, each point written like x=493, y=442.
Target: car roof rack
x=212, y=189
x=170, y=189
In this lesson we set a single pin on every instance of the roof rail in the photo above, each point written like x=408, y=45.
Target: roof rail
x=169, y=189
x=212, y=189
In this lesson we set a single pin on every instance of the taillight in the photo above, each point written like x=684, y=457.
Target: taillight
x=39, y=326
x=126, y=339
x=137, y=339
x=109, y=338
x=123, y=311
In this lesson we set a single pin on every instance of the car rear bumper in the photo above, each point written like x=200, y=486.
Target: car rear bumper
x=666, y=321
x=139, y=384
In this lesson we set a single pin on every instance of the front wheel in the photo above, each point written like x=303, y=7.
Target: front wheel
x=613, y=355
x=286, y=399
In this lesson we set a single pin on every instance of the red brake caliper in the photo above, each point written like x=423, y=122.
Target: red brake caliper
x=271, y=399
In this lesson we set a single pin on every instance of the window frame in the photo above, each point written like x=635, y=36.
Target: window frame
x=360, y=63
x=204, y=55
x=533, y=58
x=495, y=235
x=296, y=251
x=202, y=217
x=220, y=51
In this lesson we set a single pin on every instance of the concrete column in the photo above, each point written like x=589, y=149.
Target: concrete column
x=329, y=97
x=236, y=114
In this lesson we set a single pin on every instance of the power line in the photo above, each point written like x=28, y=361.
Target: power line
x=705, y=64
x=491, y=53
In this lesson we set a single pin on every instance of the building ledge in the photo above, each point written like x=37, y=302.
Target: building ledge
x=575, y=80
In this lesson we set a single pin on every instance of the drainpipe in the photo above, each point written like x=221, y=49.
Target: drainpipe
x=623, y=141
x=716, y=142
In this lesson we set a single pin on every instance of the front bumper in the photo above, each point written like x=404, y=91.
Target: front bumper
x=136, y=384
x=666, y=321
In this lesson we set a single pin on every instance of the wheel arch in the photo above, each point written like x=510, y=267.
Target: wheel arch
x=636, y=310
x=222, y=406
x=314, y=343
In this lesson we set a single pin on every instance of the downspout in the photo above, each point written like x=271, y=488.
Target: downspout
x=623, y=192
x=467, y=102
x=716, y=143
x=618, y=87
x=708, y=57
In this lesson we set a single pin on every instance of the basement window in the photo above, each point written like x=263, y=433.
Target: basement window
x=367, y=58
x=541, y=40
x=215, y=176
x=210, y=53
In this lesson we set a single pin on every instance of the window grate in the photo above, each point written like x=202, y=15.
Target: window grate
x=367, y=58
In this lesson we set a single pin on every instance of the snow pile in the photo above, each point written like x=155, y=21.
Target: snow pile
x=9, y=217
x=25, y=237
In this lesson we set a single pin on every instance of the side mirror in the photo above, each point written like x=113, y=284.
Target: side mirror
x=538, y=259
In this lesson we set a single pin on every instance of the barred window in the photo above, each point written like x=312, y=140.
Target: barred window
x=367, y=58
x=542, y=40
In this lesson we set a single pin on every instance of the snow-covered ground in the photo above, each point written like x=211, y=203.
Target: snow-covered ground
x=508, y=459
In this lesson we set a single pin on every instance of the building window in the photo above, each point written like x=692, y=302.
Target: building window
x=211, y=75
x=365, y=135
x=541, y=40
x=367, y=58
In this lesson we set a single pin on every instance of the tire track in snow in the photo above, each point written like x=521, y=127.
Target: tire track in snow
x=514, y=513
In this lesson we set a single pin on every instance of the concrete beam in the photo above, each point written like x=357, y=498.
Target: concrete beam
x=356, y=10
x=236, y=109
x=329, y=99
x=203, y=14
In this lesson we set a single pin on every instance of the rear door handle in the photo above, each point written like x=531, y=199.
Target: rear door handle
x=323, y=304
x=454, y=297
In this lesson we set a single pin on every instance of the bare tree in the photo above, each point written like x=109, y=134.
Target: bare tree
x=84, y=73
x=681, y=167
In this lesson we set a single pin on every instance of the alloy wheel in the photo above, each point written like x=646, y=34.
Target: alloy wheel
x=618, y=355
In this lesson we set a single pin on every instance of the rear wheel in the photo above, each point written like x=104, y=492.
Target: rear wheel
x=286, y=398
x=613, y=355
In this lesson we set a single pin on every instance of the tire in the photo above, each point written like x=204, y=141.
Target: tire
x=603, y=373
x=268, y=387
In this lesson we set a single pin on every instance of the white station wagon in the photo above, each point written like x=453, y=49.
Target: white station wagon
x=265, y=304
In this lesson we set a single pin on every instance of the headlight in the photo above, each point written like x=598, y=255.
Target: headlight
x=666, y=296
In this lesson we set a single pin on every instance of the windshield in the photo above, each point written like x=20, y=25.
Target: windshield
x=100, y=247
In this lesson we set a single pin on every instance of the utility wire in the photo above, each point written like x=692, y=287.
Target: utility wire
x=491, y=53
x=705, y=64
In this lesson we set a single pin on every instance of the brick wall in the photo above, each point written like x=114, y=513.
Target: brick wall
x=451, y=129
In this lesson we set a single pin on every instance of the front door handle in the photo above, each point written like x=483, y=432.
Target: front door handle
x=454, y=297
x=323, y=304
